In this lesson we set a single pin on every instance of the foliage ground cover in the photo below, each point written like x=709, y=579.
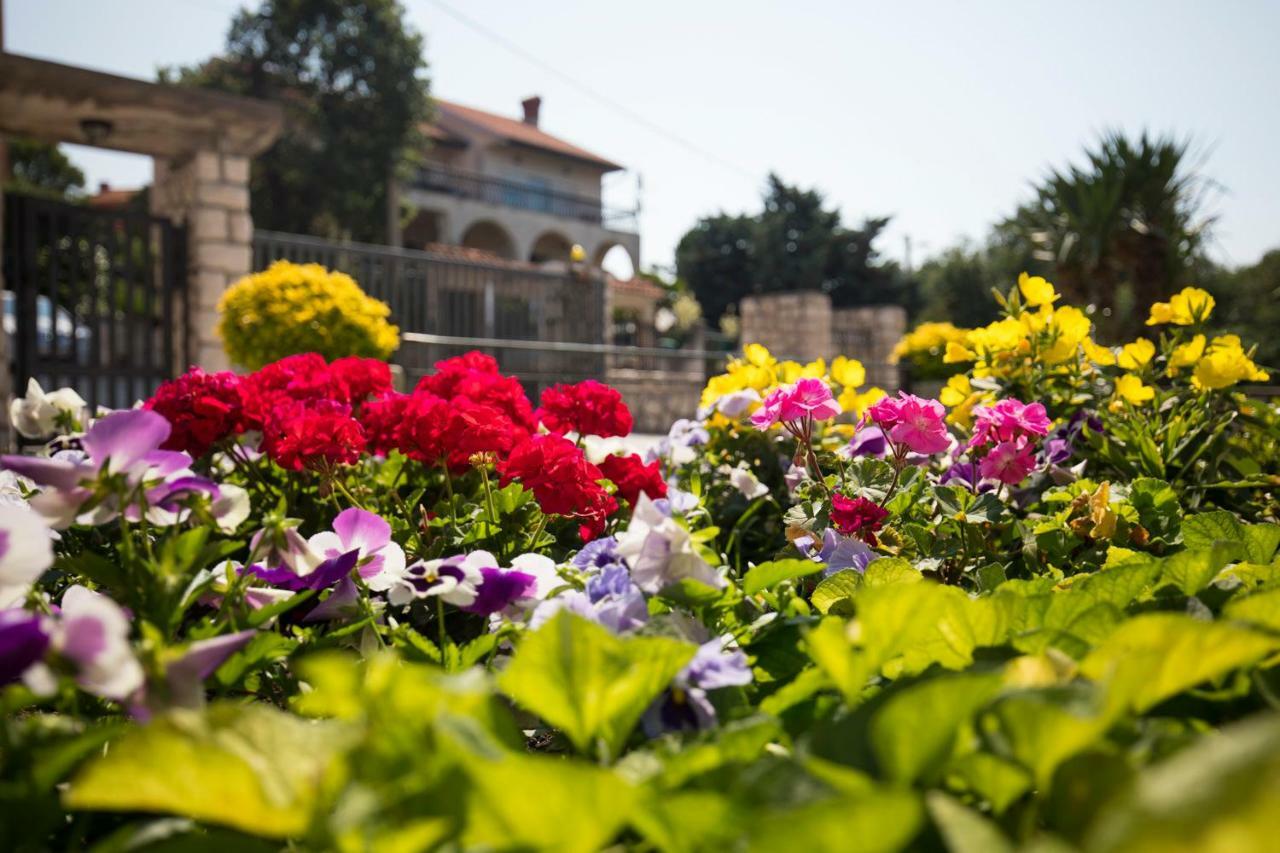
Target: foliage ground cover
x=298, y=609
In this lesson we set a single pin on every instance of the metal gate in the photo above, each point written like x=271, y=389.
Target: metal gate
x=93, y=299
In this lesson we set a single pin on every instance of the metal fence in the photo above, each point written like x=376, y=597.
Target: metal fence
x=94, y=299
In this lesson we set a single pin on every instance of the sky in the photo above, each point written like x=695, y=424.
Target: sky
x=938, y=114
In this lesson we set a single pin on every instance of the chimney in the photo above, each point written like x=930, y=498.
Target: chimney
x=531, y=106
x=104, y=187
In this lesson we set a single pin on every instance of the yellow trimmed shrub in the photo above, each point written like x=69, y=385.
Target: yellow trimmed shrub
x=290, y=308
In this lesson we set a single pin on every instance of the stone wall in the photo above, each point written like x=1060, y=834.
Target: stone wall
x=657, y=397
x=209, y=193
x=804, y=326
x=792, y=325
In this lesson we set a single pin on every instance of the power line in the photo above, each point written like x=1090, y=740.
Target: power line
x=605, y=100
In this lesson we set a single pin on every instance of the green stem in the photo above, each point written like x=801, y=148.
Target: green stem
x=537, y=533
x=488, y=495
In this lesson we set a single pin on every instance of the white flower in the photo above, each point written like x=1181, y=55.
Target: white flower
x=93, y=633
x=455, y=579
x=660, y=551
x=26, y=551
x=744, y=480
x=36, y=414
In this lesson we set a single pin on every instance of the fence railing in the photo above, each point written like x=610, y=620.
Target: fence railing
x=520, y=195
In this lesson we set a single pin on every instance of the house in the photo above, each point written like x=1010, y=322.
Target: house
x=507, y=187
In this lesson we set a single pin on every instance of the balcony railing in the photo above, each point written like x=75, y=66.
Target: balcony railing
x=522, y=196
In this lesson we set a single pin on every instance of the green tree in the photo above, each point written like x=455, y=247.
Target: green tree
x=955, y=286
x=40, y=168
x=794, y=243
x=1249, y=305
x=351, y=76
x=1122, y=230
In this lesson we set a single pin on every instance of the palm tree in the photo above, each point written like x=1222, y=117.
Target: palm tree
x=1121, y=231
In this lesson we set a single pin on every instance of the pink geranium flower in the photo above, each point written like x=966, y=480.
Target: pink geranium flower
x=807, y=398
x=913, y=422
x=1009, y=462
x=1008, y=420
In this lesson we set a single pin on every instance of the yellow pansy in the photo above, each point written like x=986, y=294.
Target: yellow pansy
x=848, y=372
x=1036, y=291
x=1136, y=355
x=758, y=355
x=1098, y=354
x=1068, y=329
x=957, y=353
x=1186, y=307
x=959, y=396
x=1186, y=355
x=1224, y=364
x=1130, y=388
x=852, y=401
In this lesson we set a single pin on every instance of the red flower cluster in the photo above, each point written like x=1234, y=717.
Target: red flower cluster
x=587, y=408
x=857, y=517
x=302, y=435
x=475, y=377
x=562, y=481
x=433, y=428
x=202, y=409
x=633, y=477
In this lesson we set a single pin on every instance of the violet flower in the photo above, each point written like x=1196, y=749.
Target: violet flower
x=381, y=562
x=24, y=639
x=455, y=579
x=91, y=634
x=661, y=552
x=686, y=706
x=837, y=552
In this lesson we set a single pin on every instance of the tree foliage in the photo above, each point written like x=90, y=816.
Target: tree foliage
x=40, y=168
x=352, y=79
x=794, y=243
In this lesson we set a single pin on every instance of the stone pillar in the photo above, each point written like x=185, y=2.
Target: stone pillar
x=794, y=325
x=209, y=193
x=869, y=334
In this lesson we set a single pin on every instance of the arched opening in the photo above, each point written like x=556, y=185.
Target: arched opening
x=614, y=259
x=551, y=246
x=489, y=237
x=427, y=226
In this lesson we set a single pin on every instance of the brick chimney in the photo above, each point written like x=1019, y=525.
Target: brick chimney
x=531, y=106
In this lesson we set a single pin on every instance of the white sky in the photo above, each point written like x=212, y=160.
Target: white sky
x=937, y=113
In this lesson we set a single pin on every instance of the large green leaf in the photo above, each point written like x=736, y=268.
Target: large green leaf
x=1155, y=656
x=587, y=682
x=1042, y=728
x=1261, y=608
x=964, y=830
x=835, y=593
x=913, y=733
x=774, y=572
x=250, y=767
x=871, y=823
x=1193, y=569
x=525, y=802
x=1222, y=794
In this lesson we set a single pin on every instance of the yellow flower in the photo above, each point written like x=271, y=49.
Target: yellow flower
x=1099, y=355
x=1069, y=328
x=1130, y=388
x=1000, y=336
x=958, y=396
x=851, y=401
x=758, y=355
x=1186, y=354
x=1224, y=364
x=957, y=389
x=926, y=339
x=957, y=353
x=1137, y=355
x=848, y=372
x=1186, y=307
x=1036, y=291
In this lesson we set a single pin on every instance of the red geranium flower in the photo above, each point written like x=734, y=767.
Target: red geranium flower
x=562, y=481
x=475, y=377
x=857, y=517
x=304, y=377
x=587, y=408
x=383, y=422
x=299, y=435
x=202, y=409
x=632, y=477
x=360, y=378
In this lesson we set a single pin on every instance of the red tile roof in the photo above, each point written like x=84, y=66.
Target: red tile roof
x=518, y=132
x=108, y=198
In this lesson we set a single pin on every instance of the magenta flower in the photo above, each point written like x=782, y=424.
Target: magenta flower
x=807, y=398
x=381, y=561
x=912, y=422
x=1009, y=462
x=1008, y=420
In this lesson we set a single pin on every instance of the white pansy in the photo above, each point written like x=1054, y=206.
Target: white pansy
x=36, y=414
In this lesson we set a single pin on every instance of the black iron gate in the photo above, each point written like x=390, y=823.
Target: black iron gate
x=93, y=299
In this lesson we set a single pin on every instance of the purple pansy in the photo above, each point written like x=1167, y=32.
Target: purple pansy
x=686, y=705
x=837, y=552
x=381, y=561
x=24, y=638
x=455, y=579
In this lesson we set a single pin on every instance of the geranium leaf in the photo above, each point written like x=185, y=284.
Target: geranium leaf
x=770, y=574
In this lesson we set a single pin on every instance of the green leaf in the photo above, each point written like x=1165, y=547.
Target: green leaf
x=739, y=742
x=1261, y=542
x=1202, y=530
x=913, y=733
x=880, y=821
x=250, y=767
x=836, y=592
x=998, y=781
x=774, y=572
x=890, y=571
x=1261, y=609
x=1042, y=728
x=964, y=830
x=1192, y=570
x=1220, y=794
x=589, y=683
x=1155, y=656
x=576, y=806
x=680, y=821
x=692, y=593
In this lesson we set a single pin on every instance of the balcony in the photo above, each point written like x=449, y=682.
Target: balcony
x=522, y=196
